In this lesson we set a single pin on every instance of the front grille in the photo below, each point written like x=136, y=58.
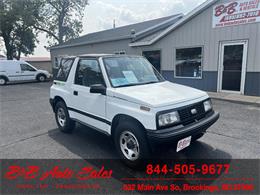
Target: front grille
x=186, y=115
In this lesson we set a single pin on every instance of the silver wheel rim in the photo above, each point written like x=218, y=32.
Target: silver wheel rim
x=2, y=81
x=42, y=78
x=129, y=145
x=61, y=117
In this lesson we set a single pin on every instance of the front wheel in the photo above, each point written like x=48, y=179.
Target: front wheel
x=131, y=143
x=41, y=78
x=63, y=120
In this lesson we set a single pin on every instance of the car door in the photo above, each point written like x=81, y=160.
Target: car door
x=88, y=107
x=27, y=72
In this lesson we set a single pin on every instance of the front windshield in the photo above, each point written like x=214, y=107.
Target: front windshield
x=129, y=71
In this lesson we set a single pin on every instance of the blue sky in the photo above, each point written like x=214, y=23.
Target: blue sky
x=99, y=14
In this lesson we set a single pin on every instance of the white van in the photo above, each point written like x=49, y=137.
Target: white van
x=11, y=70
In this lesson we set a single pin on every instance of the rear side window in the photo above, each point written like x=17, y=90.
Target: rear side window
x=88, y=73
x=63, y=70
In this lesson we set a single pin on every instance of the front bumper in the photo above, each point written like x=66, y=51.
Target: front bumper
x=177, y=133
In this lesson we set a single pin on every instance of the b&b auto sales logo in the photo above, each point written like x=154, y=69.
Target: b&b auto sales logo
x=237, y=12
x=33, y=172
x=222, y=9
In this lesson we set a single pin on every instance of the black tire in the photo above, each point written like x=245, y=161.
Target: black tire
x=68, y=125
x=41, y=77
x=3, y=80
x=138, y=131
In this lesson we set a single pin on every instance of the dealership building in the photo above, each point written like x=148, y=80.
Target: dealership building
x=215, y=47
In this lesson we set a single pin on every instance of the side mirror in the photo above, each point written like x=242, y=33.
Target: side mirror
x=99, y=88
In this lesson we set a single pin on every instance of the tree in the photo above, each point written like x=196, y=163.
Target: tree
x=61, y=20
x=17, y=20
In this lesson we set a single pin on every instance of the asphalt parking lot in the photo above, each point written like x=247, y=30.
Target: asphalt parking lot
x=28, y=130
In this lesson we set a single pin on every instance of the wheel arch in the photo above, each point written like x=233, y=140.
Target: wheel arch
x=56, y=99
x=5, y=77
x=39, y=74
x=123, y=117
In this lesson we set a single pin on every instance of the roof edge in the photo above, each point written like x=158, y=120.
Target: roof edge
x=123, y=37
x=187, y=17
x=159, y=25
x=93, y=42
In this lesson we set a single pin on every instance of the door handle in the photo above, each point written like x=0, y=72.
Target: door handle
x=75, y=93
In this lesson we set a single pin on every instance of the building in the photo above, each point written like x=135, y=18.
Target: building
x=214, y=47
x=43, y=63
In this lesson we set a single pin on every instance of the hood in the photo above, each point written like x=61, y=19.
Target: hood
x=158, y=94
x=44, y=71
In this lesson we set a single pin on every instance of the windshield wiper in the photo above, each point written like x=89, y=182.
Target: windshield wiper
x=151, y=82
x=129, y=85
x=135, y=84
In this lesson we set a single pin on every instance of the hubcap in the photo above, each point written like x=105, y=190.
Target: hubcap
x=2, y=81
x=61, y=117
x=129, y=145
x=42, y=78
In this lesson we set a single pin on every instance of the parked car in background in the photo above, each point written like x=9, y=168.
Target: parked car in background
x=127, y=99
x=11, y=70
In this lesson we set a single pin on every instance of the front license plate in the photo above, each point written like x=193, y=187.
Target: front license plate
x=183, y=143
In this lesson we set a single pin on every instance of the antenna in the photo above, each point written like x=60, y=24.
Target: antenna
x=114, y=23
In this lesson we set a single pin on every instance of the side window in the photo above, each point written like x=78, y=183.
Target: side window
x=63, y=71
x=88, y=73
x=26, y=67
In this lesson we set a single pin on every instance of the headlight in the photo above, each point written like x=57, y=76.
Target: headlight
x=168, y=119
x=207, y=105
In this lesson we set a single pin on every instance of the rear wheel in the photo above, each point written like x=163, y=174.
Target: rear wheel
x=131, y=143
x=63, y=120
x=41, y=78
x=3, y=81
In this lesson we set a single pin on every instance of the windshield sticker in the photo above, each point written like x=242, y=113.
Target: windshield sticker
x=119, y=81
x=130, y=76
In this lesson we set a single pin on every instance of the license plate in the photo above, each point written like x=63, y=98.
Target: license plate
x=183, y=143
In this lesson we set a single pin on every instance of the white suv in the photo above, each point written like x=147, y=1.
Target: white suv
x=127, y=99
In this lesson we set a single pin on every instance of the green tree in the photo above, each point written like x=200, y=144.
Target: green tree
x=17, y=20
x=61, y=20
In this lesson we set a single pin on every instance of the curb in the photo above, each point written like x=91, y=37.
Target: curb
x=237, y=101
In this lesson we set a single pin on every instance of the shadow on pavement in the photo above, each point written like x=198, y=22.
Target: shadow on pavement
x=98, y=150
x=88, y=143
x=24, y=82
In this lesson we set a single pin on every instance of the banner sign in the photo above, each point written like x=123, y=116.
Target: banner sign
x=110, y=176
x=236, y=13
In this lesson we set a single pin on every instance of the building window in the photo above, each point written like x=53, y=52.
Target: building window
x=188, y=62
